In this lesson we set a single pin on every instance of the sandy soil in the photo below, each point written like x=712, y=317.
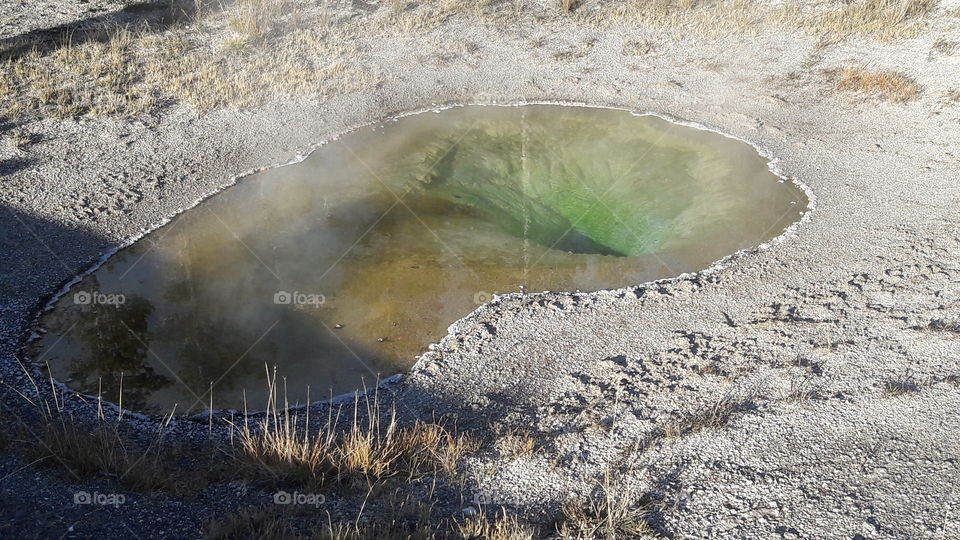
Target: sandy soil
x=813, y=334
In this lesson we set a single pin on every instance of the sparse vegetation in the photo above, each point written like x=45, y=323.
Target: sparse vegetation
x=366, y=449
x=281, y=447
x=266, y=50
x=885, y=20
x=612, y=512
x=908, y=383
x=716, y=416
x=104, y=448
x=101, y=450
x=516, y=443
x=889, y=86
x=638, y=47
x=944, y=47
x=131, y=72
x=376, y=531
x=20, y=139
x=904, y=385
x=941, y=325
x=567, y=6
x=260, y=523
x=502, y=527
x=273, y=523
x=802, y=389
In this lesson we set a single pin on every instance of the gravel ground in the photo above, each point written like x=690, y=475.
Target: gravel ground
x=812, y=337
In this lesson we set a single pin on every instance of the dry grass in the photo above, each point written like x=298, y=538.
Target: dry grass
x=105, y=448
x=19, y=139
x=274, y=524
x=889, y=86
x=906, y=384
x=254, y=20
x=405, y=18
x=944, y=47
x=503, y=527
x=102, y=450
x=900, y=387
x=405, y=517
x=96, y=78
x=716, y=416
x=516, y=443
x=614, y=512
x=262, y=56
x=258, y=51
x=259, y=523
x=567, y=6
x=638, y=47
x=283, y=446
x=367, y=448
x=377, y=531
x=803, y=389
x=883, y=20
x=686, y=18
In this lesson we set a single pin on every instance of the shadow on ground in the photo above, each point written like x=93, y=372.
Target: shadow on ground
x=152, y=16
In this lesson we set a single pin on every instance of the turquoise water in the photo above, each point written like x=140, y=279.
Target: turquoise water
x=347, y=265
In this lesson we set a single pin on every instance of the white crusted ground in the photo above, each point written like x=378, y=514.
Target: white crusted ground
x=808, y=336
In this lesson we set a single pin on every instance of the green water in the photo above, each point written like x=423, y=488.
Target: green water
x=349, y=264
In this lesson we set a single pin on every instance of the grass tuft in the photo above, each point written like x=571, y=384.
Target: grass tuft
x=105, y=448
x=567, y=6
x=283, y=447
x=714, y=417
x=503, y=527
x=516, y=443
x=20, y=139
x=907, y=384
x=638, y=47
x=889, y=86
x=884, y=20
x=259, y=523
x=611, y=512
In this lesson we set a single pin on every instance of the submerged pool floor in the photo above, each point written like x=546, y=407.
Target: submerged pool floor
x=346, y=266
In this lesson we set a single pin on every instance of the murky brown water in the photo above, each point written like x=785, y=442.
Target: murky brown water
x=349, y=264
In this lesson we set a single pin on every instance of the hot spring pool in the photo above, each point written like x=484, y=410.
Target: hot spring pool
x=348, y=264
